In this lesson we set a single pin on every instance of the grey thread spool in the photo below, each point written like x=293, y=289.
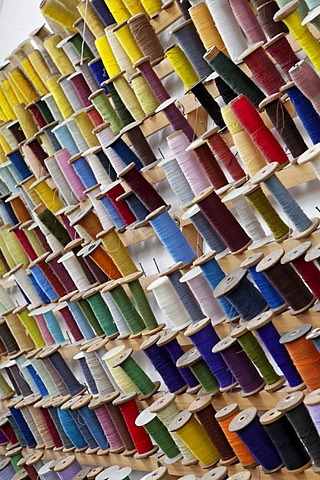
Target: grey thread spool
x=177, y=181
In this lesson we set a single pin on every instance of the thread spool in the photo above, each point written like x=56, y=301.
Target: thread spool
x=6, y=468
x=81, y=426
x=102, y=312
x=118, y=375
x=143, y=93
x=69, y=426
x=116, y=250
x=177, y=180
x=134, y=204
x=182, y=66
x=67, y=467
x=296, y=294
x=265, y=14
x=7, y=338
x=299, y=417
x=182, y=425
x=20, y=421
x=109, y=428
x=145, y=36
x=233, y=75
x=58, y=56
x=175, y=117
x=204, y=24
x=204, y=337
x=113, y=191
x=305, y=79
x=129, y=410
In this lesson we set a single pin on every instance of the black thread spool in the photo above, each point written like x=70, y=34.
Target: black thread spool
x=242, y=294
x=7, y=338
x=189, y=40
x=287, y=282
x=184, y=6
x=284, y=124
x=225, y=91
x=210, y=105
x=286, y=441
x=139, y=143
x=205, y=413
x=293, y=405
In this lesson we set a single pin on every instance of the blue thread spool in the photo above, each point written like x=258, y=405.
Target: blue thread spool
x=170, y=236
x=170, y=343
x=40, y=293
x=164, y=365
x=270, y=337
x=65, y=138
x=305, y=111
x=136, y=207
x=242, y=294
x=99, y=72
x=184, y=293
x=274, y=299
x=124, y=152
x=43, y=282
x=103, y=12
x=83, y=170
x=214, y=274
x=52, y=324
x=110, y=209
x=88, y=416
x=204, y=338
x=87, y=373
x=37, y=380
x=69, y=426
x=19, y=163
x=6, y=205
x=20, y=421
x=47, y=130
x=295, y=214
x=79, y=317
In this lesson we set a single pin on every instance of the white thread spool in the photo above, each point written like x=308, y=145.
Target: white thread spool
x=60, y=181
x=120, y=377
x=7, y=177
x=312, y=155
x=117, y=317
x=204, y=295
x=170, y=303
x=96, y=166
x=177, y=181
x=53, y=107
x=8, y=135
x=188, y=162
x=76, y=135
x=69, y=50
x=122, y=58
x=103, y=382
x=70, y=262
x=20, y=275
x=6, y=299
x=228, y=27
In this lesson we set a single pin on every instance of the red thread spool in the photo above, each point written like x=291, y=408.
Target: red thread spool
x=259, y=133
x=31, y=471
x=36, y=115
x=122, y=208
x=224, y=154
x=8, y=432
x=129, y=409
x=142, y=188
x=208, y=163
x=307, y=270
x=262, y=68
x=94, y=116
x=25, y=244
x=60, y=272
x=81, y=87
x=70, y=322
x=280, y=50
x=42, y=239
x=222, y=220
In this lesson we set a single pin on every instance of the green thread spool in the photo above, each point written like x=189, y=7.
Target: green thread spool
x=140, y=300
x=261, y=204
x=160, y=434
x=7, y=391
x=237, y=80
x=31, y=326
x=200, y=370
x=127, y=309
x=88, y=313
x=81, y=47
x=15, y=456
x=44, y=110
x=258, y=357
x=50, y=221
x=102, y=313
x=122, y=111
x=104, y=107
x=137, y=376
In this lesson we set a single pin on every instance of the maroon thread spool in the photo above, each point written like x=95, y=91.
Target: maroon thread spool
x=176, y=118
x=36, y=114
x=17, y=132
x=152, y=79
x=140, y=144
x=49, y=274
x=43, y=406
x=280, y=50
x=24, y=242
x=8, y=432
x=113, y=191
x=35, y=157
x=81, y=88
x=86, y=254
x=69, y=320
x=60, y=271
x=222, y=220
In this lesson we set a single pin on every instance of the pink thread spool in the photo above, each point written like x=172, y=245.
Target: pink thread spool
x=109, y=428
x=63, y=157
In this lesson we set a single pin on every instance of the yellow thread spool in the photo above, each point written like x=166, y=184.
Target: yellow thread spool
x=5, y=147
x=252, y=159
x=46, y=145
x=26, y=121
x=34, y=77
x=128, y=43
x=17, y=92
x=48, y=196
x=9, y=94
x=206, y=28
x=194, y=436
x=32, y=237
x=60, y=13
x=17, y=253
x=182, y=66
x=7, y=109
x=5, y=388
x=118, y=373
x=59, y=96
x=26, y=184
x=18, y=331
x=128, y=97
x=3, y=116
x=32, y=328
x=120, y=54
x=39, y=64
x=5, y=250
x=117, y=252
x=57, y=54
x=134, y=7
x=147, y=100
x=85, y=126
x=92, y=20
x=107, y=56
x=152, y=6
x=3, y=158
x=118, y=9
x=23, y=84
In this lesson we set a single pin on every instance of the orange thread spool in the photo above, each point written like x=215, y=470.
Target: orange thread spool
x=105, y=263
x=117, y=251
x=20, y=209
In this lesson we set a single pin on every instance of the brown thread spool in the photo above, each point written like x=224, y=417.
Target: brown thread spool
x=102, y=259
x=222, y=220
x=209, y=164
x=139, y=143
x=15, y=326
x=288, y=283
x=265, y=13
x=88, y=221
x=146, y=37
x=19, y=208
x=205, y=413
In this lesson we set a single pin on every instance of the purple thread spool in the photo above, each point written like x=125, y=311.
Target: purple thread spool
x=6, y=469
x=67, y=468
x=170, y=343
x=164, y=365
x=152, y=79
x=248, y=428
x=270, y=337
x=176, y=119
x=204, y=338
x=240, y=366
